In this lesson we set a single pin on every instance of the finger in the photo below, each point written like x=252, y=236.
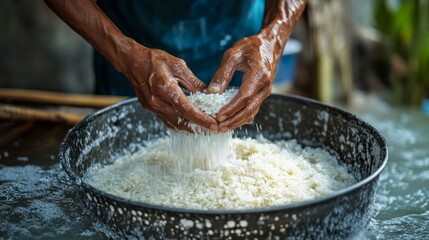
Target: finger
x=167, y=114
x=173, y=123
x=226, y=127
x=166, y=123
x=245, y=115
x=176, y=126
x=224, y=73
x=194, y=115
x=187, y=111
x=188, y=80
x=172, y=120
x=160, y=107
x=252, y=85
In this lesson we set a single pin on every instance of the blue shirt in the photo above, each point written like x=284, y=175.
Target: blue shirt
x=198, y=31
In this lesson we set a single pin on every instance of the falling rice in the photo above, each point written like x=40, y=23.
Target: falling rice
x=202, y=149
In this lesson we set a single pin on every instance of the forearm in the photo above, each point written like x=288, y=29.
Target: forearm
x=280, y=19
x=88, y=20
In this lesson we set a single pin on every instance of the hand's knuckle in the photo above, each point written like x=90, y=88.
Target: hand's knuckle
x=229, y=54
x=180, y=62
x=253, y=109
x=247, y=97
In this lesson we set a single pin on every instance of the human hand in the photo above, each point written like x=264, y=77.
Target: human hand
x=257, y=57
x=155, y=76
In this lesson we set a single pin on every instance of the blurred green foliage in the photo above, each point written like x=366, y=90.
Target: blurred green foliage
x=404, y=27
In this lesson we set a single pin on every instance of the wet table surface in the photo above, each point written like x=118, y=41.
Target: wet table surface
x=37, y=201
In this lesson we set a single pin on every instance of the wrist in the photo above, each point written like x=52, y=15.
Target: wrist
x=274, y=40
x=123, y=49
x=274, y=32
x=281, y=17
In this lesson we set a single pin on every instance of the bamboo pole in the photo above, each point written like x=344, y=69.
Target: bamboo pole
x=67, y=99
x=11, y=112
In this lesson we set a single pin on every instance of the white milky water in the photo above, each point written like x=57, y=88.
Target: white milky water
x=36, y=202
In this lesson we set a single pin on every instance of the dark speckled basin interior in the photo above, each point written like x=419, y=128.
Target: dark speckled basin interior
x=125, y=127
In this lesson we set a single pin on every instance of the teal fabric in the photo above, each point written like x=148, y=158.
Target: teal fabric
x=198, y=31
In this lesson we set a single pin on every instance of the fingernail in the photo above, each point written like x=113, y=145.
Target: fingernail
x=222, y=118
x=213, y=88
x=213, y=127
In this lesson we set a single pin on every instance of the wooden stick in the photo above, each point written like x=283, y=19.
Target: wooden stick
x=68, y=99
x=11, y=112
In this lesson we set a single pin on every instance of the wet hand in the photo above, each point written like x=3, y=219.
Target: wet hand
x=155, y=76
x=257, y=58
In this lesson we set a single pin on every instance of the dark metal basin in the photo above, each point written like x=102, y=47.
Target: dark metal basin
x=123, y=128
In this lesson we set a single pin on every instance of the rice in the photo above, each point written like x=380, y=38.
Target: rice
x=258, y=173
x=207, y=170
x=211, y=103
